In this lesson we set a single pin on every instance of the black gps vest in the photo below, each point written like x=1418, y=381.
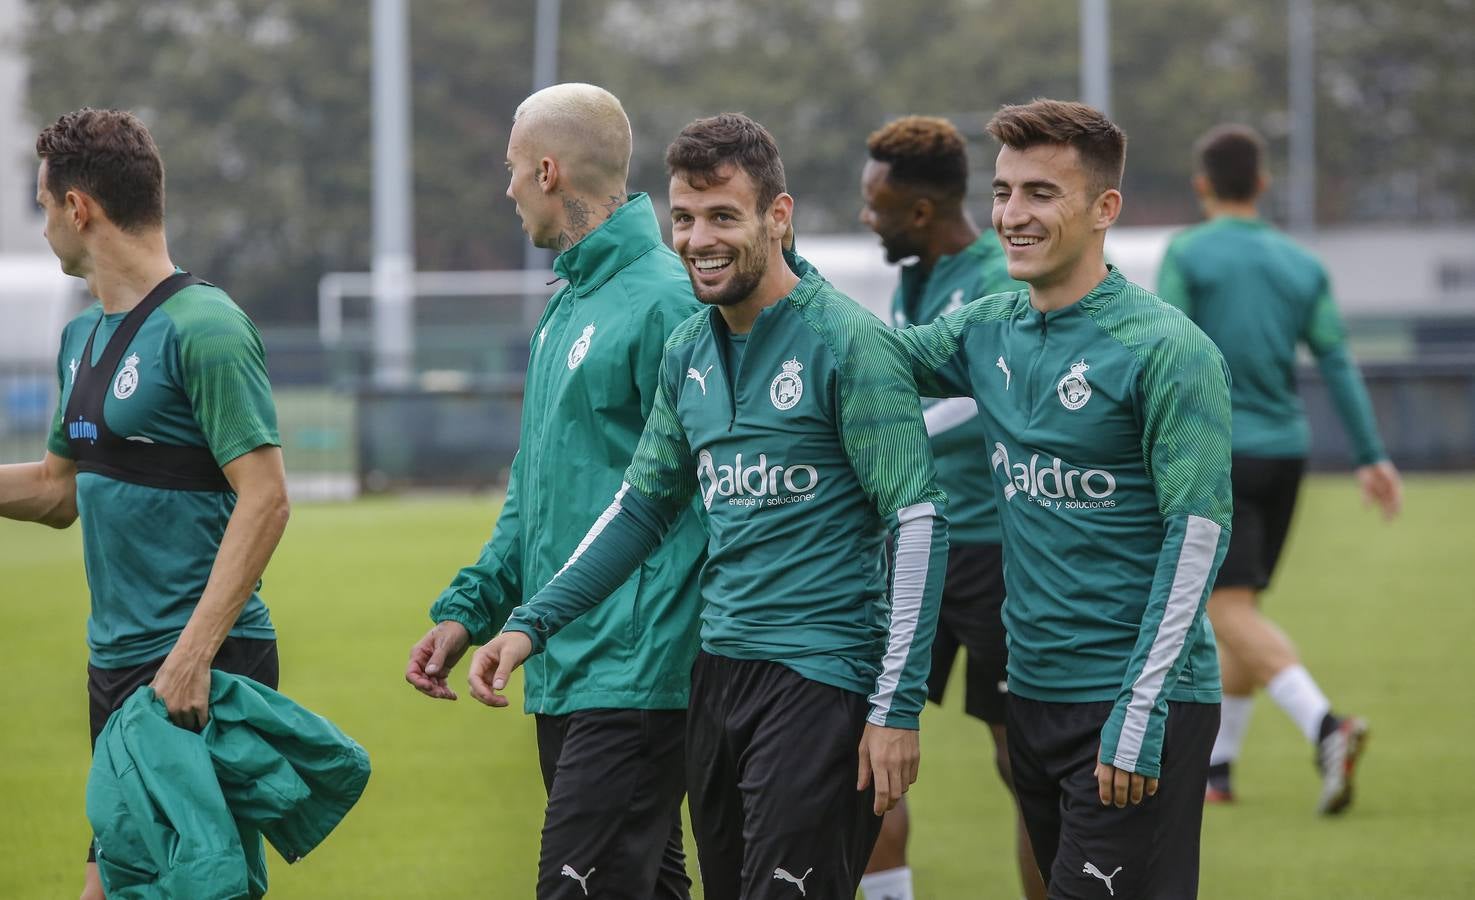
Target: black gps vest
x=97, y=449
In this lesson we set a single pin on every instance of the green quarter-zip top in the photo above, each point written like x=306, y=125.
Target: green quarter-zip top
x=953, y=425
x=805, y=444
x=1257, y=293
x=591, y=382
x=1108, y=433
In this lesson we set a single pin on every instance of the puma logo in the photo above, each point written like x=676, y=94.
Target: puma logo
x=569, y=871
x=1090, y=869
x=1004, y=367
x=783, y=875
x=700, y=378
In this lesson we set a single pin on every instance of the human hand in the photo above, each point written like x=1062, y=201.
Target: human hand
x=434, y=656
x=494, y=663
x=1118, y=786
x=1381, y=485
x=889, y=758
x=183, y=686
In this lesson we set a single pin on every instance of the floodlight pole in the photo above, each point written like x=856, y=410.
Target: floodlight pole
x=394, y=211
x=1096, y=54
x=545, y=71
x=1301, y=30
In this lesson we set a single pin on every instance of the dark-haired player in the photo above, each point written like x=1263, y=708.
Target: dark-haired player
x=1259, y=295
x=1110, y=451
x=164, y=442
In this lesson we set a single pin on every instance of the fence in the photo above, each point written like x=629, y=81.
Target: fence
x=342, y=435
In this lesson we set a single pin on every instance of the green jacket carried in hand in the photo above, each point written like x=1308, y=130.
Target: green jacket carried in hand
x=180, y=814
x=592, y=379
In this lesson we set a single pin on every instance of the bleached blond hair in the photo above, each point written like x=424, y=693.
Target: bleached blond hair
x=585, y=128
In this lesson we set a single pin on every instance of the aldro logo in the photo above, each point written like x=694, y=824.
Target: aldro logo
x=758, y=484
x=1055, y=484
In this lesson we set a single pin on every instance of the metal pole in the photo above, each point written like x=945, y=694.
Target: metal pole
x=545, y=72
x=1302, y=75
x=1096, y=54
x=394, y=211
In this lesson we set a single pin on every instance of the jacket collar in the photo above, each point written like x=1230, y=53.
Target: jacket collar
x=1103, y=293
x=628, y=234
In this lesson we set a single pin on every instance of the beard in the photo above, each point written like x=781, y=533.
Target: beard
x=897, y=247
x=749, y=265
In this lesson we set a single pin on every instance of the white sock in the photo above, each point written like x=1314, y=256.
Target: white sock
x=1294, y=691
x=891, y=884
x=1234, y=721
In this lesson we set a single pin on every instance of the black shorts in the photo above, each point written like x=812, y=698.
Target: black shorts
x=972, y=618
x=1264, y=501
x=1087, y=851
x=107, y=689
x=771, y=761
x=615, y=778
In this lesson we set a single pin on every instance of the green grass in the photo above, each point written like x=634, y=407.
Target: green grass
x=1383, y=617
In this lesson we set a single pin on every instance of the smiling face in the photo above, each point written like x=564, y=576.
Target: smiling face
x=889, y=211
x=1046, y=215
x=720, y=235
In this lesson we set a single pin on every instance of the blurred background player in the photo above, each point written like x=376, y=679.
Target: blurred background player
x=788, y=409
x=610, y=694
x=164, y=441
x=913, y=188
x=1258, y=295
x=1112, y=452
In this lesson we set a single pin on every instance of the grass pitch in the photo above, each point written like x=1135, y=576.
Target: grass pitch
x=1382, y=614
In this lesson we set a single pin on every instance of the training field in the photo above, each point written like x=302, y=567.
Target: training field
x=1384, y=617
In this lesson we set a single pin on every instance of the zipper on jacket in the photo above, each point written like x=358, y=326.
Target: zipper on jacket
x=1034, y=366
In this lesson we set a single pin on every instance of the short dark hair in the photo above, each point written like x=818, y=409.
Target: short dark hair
x=1101, y=145
x=706, y=145
x=923, y=151
x=108, y=154
x=1230, y=157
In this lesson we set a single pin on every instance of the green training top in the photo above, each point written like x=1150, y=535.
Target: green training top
x=592, y=377
x=200, y=376
x=803, y=457
x=956, y=432
x=1256, y=293
x=1108, y=430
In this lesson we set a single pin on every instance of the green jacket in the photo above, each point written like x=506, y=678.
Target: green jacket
x=180, y=814
x=591, y=382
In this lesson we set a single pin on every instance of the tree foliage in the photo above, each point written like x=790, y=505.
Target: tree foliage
x=262, y=107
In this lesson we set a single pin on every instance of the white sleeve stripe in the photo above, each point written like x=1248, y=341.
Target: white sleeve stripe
x=1190, y=579
x=599, y=525
x=946, y=415
x=908, y=585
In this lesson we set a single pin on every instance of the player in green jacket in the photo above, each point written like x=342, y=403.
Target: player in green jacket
x=913, y=187
x=164, y=442
x=1258, y=295
x=610, y=695
x=1107, y=419
x=789, y=411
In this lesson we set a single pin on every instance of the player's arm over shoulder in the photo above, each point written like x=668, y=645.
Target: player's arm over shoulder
x=938, y=352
